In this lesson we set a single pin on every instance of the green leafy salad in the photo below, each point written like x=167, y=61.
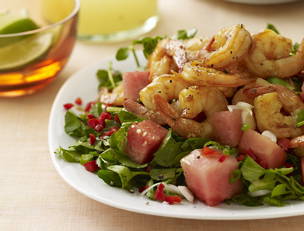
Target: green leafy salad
x=141, y=155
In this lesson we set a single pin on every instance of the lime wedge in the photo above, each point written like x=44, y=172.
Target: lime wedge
x=16, y=22
x=24, y=51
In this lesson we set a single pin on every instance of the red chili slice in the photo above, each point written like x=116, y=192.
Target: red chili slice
x=209, y=151
x=173, y=199
x=159, y=193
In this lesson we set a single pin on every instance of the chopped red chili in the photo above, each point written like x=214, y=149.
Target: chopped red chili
x=173, y=199
x=209, y=151
x=159, y=193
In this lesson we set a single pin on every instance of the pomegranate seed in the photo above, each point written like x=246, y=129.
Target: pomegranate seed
x=68, y=106
x=105, y=116
x=92, y=123
x=98, y=127
x=92, y=139
x=90, y=116
x=116, y=118
x=91, y=166
x=173, y=199
x=78, y=101
x=284, y=143
x=159, y=193
x=222, y=158
x=88, y=106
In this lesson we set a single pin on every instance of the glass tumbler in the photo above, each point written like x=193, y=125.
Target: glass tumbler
x=32, y=56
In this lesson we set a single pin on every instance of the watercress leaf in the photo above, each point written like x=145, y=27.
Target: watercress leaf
x=105, y=80
x=281, y=171
x=245, y=199
x=108, y=156
x=193, y=143
x=186, y=34
x=295, y=48
x=235, y=176
x=125, y=174
x=272, y=27
x=96, y=109
x=251, y=170
x=279, y=81
x=273, y=201
x=73, y=125
x=84, y=158
x=300, y=118
x=125, y=160
x=68, y=155
x=149, y=44
x=110, y=177
x=118, y=139
x=179, y=157
x=122, y=53
x=266, y=183
x=125, y=116
x=165, y=155
x=279, y=190
x=162, y=174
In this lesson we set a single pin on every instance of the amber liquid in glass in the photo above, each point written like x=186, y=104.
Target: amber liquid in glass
x=38, y=74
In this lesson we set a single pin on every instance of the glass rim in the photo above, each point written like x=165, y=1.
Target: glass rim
x=44, y=28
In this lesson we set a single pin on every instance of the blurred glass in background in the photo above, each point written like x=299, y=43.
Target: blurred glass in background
x=108, y=20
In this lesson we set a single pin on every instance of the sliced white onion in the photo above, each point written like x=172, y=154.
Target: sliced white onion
x=232, y=108
x=149, y=188
x=244, y=106
x=186, y=193
x=172, y=188
x=247, y=118
x=270, y=135
x=259, y=193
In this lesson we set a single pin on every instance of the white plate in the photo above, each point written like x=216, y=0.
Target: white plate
x=84, y=84
x=262, y=2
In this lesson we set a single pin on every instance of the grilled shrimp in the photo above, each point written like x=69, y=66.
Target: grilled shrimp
x=182, y=126
x=270, y=56
x=160, y=62
x=228, y=46
x=197, y=74
x=193, y=100
x=114, y=97
x=271, y=109
x=142, y=111
x=168, y=86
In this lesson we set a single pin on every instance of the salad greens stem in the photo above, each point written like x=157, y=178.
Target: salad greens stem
x=135, y=56
x=110, y=69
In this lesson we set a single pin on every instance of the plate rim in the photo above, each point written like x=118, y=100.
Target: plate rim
x=118, y=205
